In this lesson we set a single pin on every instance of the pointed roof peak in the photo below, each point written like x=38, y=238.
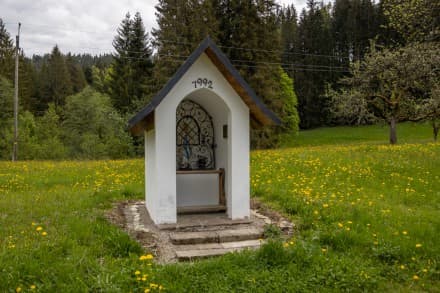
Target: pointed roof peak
x=257, y=109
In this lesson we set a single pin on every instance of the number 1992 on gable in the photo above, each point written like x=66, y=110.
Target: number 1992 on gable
x=202, y=83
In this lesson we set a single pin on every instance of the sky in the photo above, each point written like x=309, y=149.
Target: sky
x=77, y=26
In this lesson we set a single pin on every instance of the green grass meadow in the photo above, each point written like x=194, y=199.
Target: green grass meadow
x=373, y=134
x=367, y=217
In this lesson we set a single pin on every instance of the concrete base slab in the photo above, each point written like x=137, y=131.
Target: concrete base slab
x=194, y=236
x=191, y=252
x=227, y=235
x=179, y=238
x=194, y=221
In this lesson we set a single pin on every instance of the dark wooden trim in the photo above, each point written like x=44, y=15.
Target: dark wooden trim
x=258, y=110
x=201, y=209
x=214, y=171
x=221, y=187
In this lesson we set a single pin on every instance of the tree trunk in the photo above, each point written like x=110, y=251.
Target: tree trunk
x=435, y=129
x=393, y=132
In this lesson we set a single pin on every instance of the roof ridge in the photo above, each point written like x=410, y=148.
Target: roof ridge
x=265, y=116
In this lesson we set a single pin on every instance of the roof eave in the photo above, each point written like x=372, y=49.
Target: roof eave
x=257, y=109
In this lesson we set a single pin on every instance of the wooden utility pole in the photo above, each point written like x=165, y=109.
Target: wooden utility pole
x=17, y=50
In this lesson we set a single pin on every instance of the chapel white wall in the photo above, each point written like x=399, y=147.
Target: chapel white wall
x=232, y=153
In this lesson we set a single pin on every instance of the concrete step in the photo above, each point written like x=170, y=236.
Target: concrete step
x=219, y=236
x=198, y=251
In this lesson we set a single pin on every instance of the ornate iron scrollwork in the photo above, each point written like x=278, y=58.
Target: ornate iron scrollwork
x=194, y=137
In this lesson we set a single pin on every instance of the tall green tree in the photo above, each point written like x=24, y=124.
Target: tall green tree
x=248, y=33
x=6, y=114
x=289, y=33
x=250, y=36
x=77, y=78
x=132, y=65
x=121, y=71
x=6, y=53
x=289, y=113
x=142, y=63
x=354, y=23
x=182, y=25
x=55, y=81
x=28, y=85
x=314, y=66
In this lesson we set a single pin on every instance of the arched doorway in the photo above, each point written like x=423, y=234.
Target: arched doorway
x=195, y=142
x=201, y=153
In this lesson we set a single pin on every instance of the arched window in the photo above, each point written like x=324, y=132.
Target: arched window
x=194, y=137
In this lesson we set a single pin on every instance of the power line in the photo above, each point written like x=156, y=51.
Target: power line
x=303, y=67
x=193, y=44
x=261, y=50
x=253, y=63
x=247, y=63
x=262, y=62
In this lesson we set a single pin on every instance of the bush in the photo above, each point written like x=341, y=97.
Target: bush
x=93, y=129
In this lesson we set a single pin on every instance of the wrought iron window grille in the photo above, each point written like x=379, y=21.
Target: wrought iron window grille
x=194, y=137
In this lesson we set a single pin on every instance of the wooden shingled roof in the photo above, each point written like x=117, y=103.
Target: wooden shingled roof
x=145, y=118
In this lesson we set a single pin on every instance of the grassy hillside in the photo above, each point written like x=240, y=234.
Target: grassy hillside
x=378, y=134
x=367, y=215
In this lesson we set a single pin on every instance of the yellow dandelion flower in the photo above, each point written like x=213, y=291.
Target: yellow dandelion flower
x=418, y=245
x=153, y=286
x=404, y=232
x=425, y=270
x=325, y=205
x=33, y=287
x=316, y=212
x=324, y=250
x=44, y=233
x=144, y=279
x=147, y=290
x=415, y=277
x=402, y=267
x=18, y=289
x=146, y=257
x=291, y=243
x=39, y=228
x=137, y=273
x=34, y=224
x=340, y=225
x=160, y=287
x=285, y=244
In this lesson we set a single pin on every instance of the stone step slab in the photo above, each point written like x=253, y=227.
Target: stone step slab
x=220, y=236
x=199, y=251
